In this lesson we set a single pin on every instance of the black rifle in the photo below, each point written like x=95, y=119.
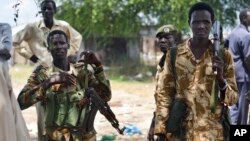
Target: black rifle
x=151, y=129
x=225, y=116
x=216, y=39
x=104, y=108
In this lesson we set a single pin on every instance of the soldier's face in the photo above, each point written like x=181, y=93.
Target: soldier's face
x=58, y=46
x=201, y=24
x=165, y=41
x=48, y=10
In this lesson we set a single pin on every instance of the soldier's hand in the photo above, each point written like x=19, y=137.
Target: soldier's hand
x=218, y=65
x=60, y=78
x=89, y=58
x=5, y=54
x=161, y=137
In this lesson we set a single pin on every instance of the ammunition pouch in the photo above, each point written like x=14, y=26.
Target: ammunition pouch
x=176, y=117
x=62, y=109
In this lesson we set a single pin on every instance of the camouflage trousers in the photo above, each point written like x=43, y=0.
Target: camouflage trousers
x=64, y=134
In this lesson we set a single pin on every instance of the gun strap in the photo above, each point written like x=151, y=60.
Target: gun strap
x=82, y=111
x=215, y=86
x=173, y=52
x=86, y=76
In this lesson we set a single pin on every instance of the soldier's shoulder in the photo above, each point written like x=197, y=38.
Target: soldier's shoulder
x=40, y=69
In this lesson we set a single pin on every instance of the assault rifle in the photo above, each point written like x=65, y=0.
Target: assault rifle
x=104, y=108
x=216, y=46
x=216, y=39
x=219, y=51
x=98, y=102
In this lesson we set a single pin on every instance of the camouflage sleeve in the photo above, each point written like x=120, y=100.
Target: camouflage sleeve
x=102, y=85
x=28, y=95
x=163, y=96
x=99, y=82
x=231, y=95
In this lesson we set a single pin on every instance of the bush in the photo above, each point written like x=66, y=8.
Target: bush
x=125, y=69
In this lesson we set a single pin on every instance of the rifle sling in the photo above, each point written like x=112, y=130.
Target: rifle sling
x=215, y=86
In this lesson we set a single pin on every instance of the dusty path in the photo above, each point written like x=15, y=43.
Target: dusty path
x=133, y=103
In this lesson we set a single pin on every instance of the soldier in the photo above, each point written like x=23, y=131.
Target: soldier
x=35, y=34
x=189, y=80
x=69, y=115
x=166, y=37
x=12, y=124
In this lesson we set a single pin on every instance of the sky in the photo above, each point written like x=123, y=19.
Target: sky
x=27, y=12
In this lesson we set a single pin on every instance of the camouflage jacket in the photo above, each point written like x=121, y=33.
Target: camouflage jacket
x=159, y=70
x=30, y=92
x=194, y=84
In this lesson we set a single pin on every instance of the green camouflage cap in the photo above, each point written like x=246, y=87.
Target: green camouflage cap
x=166, y=29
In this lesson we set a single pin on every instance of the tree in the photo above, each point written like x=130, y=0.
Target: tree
x=109, y=19
x=125, y=18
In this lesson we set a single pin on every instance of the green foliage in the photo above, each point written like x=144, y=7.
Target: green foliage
x=130, y=70
x=125, y=18
x=105, y=19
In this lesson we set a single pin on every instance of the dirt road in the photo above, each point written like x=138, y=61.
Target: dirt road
x=133, y=103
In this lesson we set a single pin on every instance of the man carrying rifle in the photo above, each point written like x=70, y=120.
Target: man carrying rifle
x=166, y=37
x=189, y=80
x=65, y=89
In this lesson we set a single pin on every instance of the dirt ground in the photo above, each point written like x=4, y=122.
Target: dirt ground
x=133, y=104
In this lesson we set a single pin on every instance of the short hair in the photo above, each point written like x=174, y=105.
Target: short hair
x=52, y=33
x=243, y=14
x=201, y=6
x=47, y=1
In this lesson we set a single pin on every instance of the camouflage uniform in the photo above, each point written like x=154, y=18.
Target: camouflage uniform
x=55, y=130
x=194, y=84
x=35, y=34
x=167, y=29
